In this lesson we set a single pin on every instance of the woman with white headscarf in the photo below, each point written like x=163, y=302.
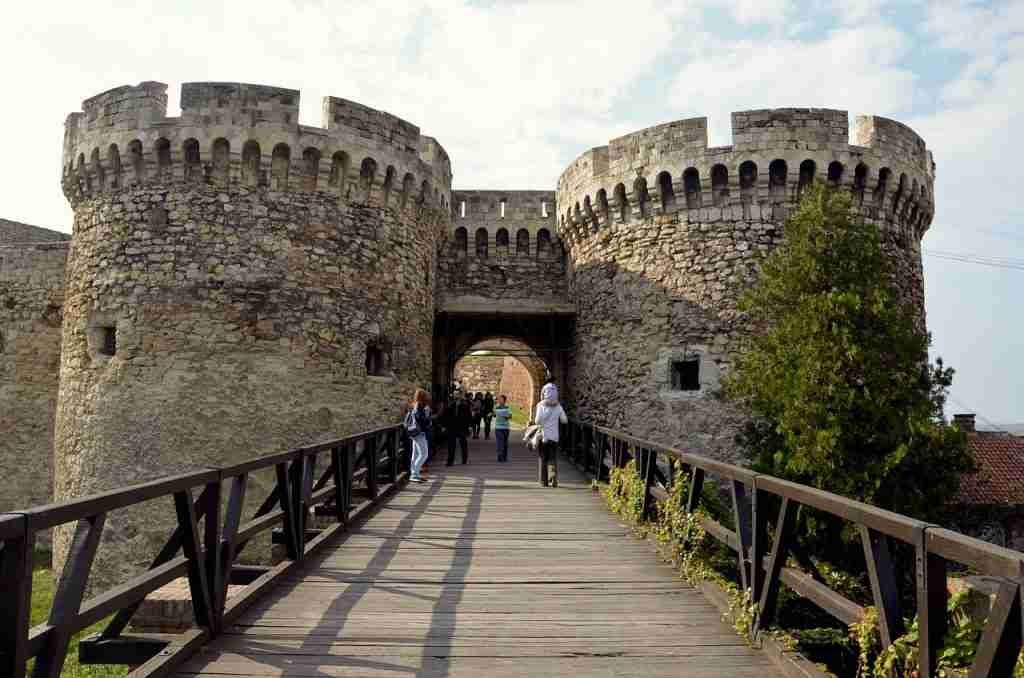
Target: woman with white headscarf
x=548, y=416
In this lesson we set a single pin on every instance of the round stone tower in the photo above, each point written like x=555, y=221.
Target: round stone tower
x=238, y=284
x=663, y=233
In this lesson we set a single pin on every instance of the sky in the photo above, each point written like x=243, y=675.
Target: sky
x=515, y=90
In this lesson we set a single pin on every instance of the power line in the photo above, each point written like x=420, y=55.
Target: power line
x=992, y=262
x=992, y=426
x=985, y=257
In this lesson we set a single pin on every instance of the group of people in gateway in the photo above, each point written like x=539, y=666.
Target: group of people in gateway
x=462, y=416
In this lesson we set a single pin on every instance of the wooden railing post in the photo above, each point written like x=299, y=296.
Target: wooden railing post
x=393, y=454
x=1001, y=643
x=884, y=592
x=932, y=596
x=370, y=448
x=296, y=476
x=287, y=503
x=696, y=487
x=198, y=584
x=340, y=463
x=210, y=500
x=305, y=496
x=232, y=519
x=758, y=540
x=741, y=513
x=784, y=528
x=649, y=460
x=15, y=593
x=70, y=590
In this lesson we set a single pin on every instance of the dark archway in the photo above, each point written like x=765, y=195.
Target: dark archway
x=503, y=366
x=543, y=338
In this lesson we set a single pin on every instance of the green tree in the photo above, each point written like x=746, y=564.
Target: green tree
x=837, y=378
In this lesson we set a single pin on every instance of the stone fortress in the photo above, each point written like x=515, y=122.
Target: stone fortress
x=238, y=283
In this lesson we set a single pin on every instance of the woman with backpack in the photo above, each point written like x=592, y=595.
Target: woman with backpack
x=417, y=425
x=548, y=416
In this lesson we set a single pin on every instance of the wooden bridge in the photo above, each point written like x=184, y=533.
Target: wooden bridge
x=478, y=571
x=481, y=572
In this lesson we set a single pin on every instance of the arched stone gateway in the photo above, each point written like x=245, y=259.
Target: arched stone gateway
x=506, y=367
x=239, y=283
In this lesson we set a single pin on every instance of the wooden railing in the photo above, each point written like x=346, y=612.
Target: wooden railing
x=360, y=470
x=763, y=566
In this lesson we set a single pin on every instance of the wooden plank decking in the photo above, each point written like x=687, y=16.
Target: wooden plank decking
x=481, y=572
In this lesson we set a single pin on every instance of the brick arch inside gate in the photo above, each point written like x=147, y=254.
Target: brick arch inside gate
x=503, y=367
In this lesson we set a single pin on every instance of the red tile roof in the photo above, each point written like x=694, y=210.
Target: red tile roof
x=1000, y=476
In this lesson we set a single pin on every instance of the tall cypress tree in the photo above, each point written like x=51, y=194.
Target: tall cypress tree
x=837, y=376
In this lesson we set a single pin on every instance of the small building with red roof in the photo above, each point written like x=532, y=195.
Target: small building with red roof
x=993, y=497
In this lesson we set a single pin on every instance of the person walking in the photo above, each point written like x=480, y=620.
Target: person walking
x=477, y=409
x=548, y=416
x=457, y=422
x=430, y=440
x=417, y=424
x=488, y=414
x=502, y=424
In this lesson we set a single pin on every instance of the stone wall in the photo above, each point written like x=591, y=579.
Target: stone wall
x=31, y=302
x=480, y=373
x=217, y=312
x=506, y=375
x=517, y=383
x=502, y=250
x=17, y=233
x=664, y=233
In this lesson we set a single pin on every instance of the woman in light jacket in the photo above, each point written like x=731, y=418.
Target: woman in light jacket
x=417, y=425
x=548, y=416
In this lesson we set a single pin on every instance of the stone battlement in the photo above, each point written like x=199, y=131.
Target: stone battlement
x=775, y=152
x=250, y=134
x=494, y=206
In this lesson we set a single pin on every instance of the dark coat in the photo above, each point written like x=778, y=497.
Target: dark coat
x=458, y=417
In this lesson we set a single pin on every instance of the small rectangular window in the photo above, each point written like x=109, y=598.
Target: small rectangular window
x=375, y=361
x=108, y=340
x=686, y=375
x=462, y=209
x=543, y=209
x=502, y=209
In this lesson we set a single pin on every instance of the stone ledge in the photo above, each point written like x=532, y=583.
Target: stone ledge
x=473, y=305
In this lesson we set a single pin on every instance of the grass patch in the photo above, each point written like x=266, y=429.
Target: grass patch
x=43, y=588
x=520, y=416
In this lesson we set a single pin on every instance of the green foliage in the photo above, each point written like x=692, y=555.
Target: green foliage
x=681, y=537
x=899, y=660
x=869, y=644
x=742, y=610
x=520, y=417
x=838, y=379
x=625, y=493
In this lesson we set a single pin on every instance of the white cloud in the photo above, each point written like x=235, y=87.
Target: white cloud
x=512, y=90
x=857, y=69
x=760, y=11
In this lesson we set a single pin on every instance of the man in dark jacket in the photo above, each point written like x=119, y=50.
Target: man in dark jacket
x=488, y=414
x=458, y=419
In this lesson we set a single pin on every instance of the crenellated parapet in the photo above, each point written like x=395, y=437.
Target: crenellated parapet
x=774, y=155
x=249, y=135
x=503, y=224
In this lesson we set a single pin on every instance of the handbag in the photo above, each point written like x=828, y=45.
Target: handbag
x=533, y=436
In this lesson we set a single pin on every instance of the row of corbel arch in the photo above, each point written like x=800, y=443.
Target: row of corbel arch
x=106, y=172
x=909, y=202
x=545, y=247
